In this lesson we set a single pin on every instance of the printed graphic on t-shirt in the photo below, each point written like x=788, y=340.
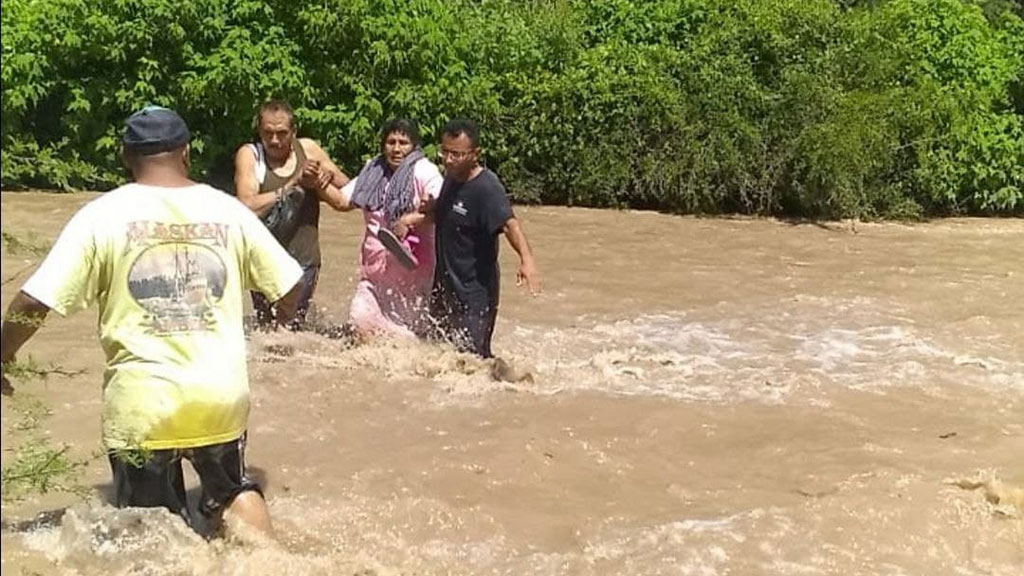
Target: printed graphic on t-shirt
x=178, y=284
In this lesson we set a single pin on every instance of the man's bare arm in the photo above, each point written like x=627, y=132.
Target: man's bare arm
x=315, y=152
x=288, y=306
x=332, y=179
x=24, y=316
x=527, y=273
x=247, y=188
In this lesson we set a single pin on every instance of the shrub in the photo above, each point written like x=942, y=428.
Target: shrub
x=816, y=108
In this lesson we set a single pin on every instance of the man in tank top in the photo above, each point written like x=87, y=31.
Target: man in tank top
x=290, y=175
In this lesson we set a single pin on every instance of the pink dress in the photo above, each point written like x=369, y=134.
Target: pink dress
x=389, y=298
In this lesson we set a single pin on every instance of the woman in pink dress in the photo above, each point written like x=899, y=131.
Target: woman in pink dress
x=396, y=192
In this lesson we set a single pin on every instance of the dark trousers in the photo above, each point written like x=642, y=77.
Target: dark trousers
x=155, y=479
x=466, y=323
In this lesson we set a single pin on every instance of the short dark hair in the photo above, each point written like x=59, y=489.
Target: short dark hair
x=274, y=106
x=457, y=126
x=405, y=126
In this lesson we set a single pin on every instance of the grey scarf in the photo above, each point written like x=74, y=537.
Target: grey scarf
x=373, y=192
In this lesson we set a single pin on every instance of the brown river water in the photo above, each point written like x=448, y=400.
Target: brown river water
x=709, y=397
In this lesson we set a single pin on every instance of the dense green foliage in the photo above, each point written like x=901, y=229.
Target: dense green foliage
x=823, y=108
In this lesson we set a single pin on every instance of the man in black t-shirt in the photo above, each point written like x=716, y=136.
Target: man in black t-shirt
x=471, y=212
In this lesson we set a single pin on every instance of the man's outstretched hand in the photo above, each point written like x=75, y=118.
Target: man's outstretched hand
x=529, y=276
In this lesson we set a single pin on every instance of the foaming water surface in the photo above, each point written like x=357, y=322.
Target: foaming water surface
x=696, y=397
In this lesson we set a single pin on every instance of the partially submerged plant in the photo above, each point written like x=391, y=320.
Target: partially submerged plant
x=38, y=466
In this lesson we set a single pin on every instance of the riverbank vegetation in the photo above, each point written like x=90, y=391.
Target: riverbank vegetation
x=812, y=108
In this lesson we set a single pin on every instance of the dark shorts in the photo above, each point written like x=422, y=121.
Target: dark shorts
x=264, y=309
x=468, y=324
x=154, y=479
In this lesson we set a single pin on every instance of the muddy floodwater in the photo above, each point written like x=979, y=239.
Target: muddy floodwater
x=708, y=397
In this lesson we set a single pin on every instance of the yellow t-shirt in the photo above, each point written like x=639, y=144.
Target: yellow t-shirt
x=168, y=268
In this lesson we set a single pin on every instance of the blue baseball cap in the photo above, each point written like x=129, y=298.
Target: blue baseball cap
x=153, y=130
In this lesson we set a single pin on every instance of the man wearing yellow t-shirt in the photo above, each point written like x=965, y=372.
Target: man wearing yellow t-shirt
x=167, y=261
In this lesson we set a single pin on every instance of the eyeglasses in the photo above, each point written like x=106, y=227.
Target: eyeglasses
x=456, y=155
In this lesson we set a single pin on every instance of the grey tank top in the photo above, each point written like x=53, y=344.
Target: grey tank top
x=304, y=245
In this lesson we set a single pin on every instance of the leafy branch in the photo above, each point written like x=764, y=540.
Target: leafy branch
x=37, y=465
x=16, y=275
x=28, y=370
x=15, y=245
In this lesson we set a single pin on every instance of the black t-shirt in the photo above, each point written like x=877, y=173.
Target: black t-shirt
x=469, y=216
